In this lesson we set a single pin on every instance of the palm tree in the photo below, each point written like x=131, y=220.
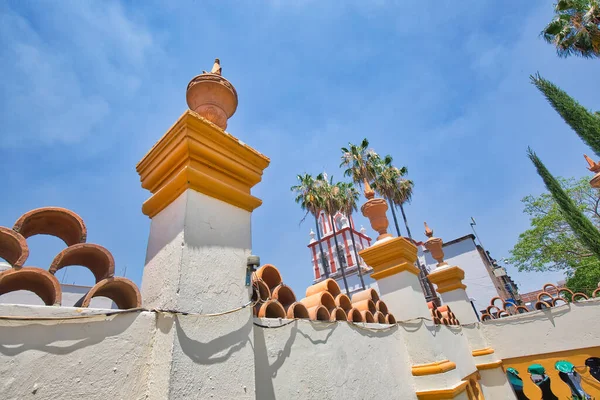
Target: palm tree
x=308, y=196
x=360, y=163
x=575, y=30
x=332, y=203
x=404, y=189
x=386, y=182
x=349, y=197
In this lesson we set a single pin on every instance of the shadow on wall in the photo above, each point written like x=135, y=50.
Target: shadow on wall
x=15, y=340
x=216, y=350
x=266, y=371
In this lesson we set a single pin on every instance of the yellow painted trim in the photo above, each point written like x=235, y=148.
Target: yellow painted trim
x=391, y=257
x=482, y=352
x=438, y=367
x=395, y=270
x=196, y=154
x=475, y=375
x=443, y=393
x=448, y=278
x=490, y=365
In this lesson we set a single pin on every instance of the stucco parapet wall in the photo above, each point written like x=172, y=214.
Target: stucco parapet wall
x=567, y=327
x=196, y=154
x=390, y=257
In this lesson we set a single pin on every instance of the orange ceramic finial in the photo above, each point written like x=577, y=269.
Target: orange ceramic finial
x=595, y=168
x=428, y=231
x=212, y=96
x=369, y=193
x=434, y=245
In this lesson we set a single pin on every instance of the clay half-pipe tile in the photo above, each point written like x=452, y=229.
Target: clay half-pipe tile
x=382, y=307
x=92, y=256
x=320, y=299
x=367, y=316
x=260, y=291
x=13, y=247
x=379, y=317
x=55, y=221
x=270, y=275
x=284, y=294
x=271, y=309
x=36, y=280
x=122, y=291
x=338, y=314
x=354, y=315
x=297, y=310
x=318, y=313
x=365, y=305
x=328, y=285
x=343, y=301
x=368, y=294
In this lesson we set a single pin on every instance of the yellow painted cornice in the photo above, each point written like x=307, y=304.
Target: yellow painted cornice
x=490, y=365
x=443, y=393
x=197, y=154
x=482, y=352
x=448, y=278
x=391, y=257
x=437, y=367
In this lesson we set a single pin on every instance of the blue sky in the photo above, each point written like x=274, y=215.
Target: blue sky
x=88, y=87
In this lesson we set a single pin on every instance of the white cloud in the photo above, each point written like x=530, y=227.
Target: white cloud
x=63, y=67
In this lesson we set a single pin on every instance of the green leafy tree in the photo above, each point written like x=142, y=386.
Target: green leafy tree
x=585, y=123
x=551, y=244
x=575, y=29
x=582, y=227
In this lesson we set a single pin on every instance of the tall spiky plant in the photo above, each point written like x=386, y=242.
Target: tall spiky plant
x=585, y=231
x=349, y=199
x=585, y=123
x=308, y=196
x=332, y=203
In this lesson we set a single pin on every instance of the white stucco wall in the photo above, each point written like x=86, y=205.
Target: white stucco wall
x=99, y=358
x=305, y=360
x=464, y=254
x=145, y=355
x=566, y=327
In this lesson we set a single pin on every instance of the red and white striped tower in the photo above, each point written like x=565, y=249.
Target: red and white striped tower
x=345, y=248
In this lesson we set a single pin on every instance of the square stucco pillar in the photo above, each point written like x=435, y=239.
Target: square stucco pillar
x=392, y=260
x=200, y=179
x=493, y=381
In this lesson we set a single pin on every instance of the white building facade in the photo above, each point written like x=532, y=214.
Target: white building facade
x=483, y=280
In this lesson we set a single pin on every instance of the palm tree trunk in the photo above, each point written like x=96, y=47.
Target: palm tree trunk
x=395, y=218
x=405, y=221
x=362, y=282
x=430, y=294
x=338, y=256
x=322, y=257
